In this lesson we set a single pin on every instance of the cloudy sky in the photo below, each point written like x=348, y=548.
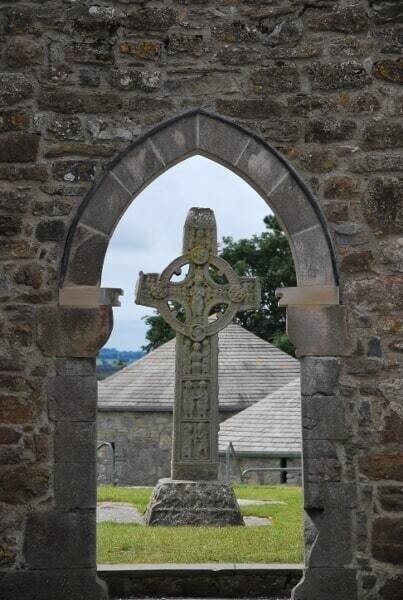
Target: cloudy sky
x=149, y=235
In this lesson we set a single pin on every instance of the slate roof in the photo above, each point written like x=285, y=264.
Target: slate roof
x=271, y=426
x=249, y=369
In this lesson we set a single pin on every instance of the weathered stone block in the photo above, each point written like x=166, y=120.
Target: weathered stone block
x=346, y=19
x=215, y=142
x=74, y=442
x=389, y=70
x=24, y=483
x=325, y=131
x=260, y=166
x=139, y=166
x=23, y=53
x=74, y=171
x=387, y=539
x=178, y=142
x=379, y=135
x=391, y=498
x=46, y=530
x=319, y=375
x=112, y=200
x=357, y=262
x=393, y=588
x=326, y=583
x=333, y=546
x=9, y=436
x=14, y=87
x=193, y=503
x=334, y=76
x=87, y=257
x=361, y=103
x=79, y=149
x=319, y=496
x=10, y=225
x=325, y=418
x=382, y=205
x=16, y=410
x=90, y=52
x=50, y=231
x=19, y=147
x=150, y=19
x=65, y=128
x=278, y=77
x=132, y=79
x=56, y=584
x=319, y=331
x=189, y=44
x=73, y=332
x=312, y=260
x=382, y=466
x=75, y=485
x=141, y=49
x=72, y=398
x=75, y=102
x=250, y=108
x=290, y=203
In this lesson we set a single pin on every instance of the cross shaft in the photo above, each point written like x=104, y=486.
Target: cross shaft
x=199, y=306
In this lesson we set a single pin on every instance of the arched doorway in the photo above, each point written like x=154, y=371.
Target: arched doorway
x=316, y=320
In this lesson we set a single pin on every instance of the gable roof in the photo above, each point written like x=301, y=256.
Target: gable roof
x=271, y=426
x=249, y=369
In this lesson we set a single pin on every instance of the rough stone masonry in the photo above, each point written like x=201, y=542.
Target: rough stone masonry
x=320, y=80
x=197, y=307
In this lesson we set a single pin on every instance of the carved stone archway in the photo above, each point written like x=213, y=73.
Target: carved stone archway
x=316, y=324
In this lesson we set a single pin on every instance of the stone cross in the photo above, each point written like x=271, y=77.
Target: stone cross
x=197, y=308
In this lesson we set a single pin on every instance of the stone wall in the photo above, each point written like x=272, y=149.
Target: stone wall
x=319, y=80
x=143, y=443
x=143, y=446
x=260, y=477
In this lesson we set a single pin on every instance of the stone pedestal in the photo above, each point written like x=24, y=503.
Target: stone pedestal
x=179, y=502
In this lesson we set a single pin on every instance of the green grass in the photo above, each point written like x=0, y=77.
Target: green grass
x=279, y=542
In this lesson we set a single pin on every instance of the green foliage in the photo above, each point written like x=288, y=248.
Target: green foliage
x=280, y=541
x=266, y=256
x=158, y=332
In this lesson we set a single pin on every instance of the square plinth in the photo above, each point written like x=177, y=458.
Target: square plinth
x=180, y=502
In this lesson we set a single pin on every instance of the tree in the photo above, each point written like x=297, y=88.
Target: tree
x=267, y=256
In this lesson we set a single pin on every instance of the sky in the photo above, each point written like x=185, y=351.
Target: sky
x=149, y=235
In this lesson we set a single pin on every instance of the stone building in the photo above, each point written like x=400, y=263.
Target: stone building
x=302, y=100
x=265, y=435
x=135, y=405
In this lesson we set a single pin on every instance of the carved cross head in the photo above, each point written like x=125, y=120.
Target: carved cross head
x=210, y=294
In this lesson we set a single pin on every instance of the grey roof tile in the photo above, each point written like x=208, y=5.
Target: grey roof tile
x=272, y=425
x=249, y=369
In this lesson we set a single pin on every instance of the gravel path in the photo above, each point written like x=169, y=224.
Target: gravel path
x=119, y=512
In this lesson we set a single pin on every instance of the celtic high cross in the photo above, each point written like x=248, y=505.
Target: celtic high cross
x=197, y=308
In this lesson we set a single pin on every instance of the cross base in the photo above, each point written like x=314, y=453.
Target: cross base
x=180, y=502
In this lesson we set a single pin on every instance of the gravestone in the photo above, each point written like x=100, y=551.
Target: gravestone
x=197, y=308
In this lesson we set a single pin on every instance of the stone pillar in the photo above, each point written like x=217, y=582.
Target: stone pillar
x=318, y=329
x=59, y=547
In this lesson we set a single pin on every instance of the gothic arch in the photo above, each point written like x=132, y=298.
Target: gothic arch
x=316, y=323
x=209, y=135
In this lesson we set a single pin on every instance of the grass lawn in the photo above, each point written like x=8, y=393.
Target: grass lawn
x=279, y=542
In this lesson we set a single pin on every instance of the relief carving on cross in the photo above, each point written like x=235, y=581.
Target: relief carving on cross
x=197, y=308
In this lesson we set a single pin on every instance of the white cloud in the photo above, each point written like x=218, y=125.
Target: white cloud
x=149, y=235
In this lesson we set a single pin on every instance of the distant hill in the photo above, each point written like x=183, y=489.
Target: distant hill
x=110, y=360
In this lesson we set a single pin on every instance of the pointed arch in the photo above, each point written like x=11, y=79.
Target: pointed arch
x=227, y=143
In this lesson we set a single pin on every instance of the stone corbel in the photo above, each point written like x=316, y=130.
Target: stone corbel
x=89, y=296
x=73, y=331
x=316, y=322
